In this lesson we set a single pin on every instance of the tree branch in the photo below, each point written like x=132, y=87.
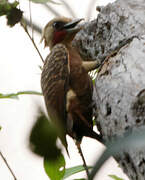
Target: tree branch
x=35, y=26
x=116, y=40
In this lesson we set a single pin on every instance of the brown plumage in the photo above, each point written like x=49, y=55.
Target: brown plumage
x=66, y=85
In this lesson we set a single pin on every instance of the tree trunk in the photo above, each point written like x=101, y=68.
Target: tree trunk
x=116, y=39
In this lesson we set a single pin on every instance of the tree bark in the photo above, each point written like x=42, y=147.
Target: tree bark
x=116, y=40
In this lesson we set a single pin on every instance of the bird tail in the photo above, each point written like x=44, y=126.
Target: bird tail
x=94, y=135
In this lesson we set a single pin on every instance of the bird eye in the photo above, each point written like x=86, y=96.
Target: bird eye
x=58, y=25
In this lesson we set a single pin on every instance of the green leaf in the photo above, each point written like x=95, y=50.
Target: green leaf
x=6, y=7
x=15, y=95
x=14, y=16
x=11, y=11
x=115, y=177
x=44, y=1
x=55, y=169
x=74, y=170
x=43, y=138
x=132, y=139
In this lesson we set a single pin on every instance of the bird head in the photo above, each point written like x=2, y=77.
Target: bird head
x=60, y=30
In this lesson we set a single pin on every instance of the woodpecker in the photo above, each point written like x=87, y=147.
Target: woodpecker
x=66, y=85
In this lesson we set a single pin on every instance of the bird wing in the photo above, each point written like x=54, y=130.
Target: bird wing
x=54, y=83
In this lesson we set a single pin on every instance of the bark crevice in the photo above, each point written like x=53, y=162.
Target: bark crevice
x=116, y=39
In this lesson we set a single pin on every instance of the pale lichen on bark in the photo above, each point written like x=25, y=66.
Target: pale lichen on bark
x=117, y=39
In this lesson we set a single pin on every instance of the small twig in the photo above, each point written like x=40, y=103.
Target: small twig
x=26, y=30
x=30, y=11
x=82, y=156
x=8, y=166
x=35, y=26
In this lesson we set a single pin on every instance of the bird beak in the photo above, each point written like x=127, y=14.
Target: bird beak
x=71, y=26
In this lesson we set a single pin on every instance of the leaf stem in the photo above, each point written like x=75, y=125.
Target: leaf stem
x=26, y=30
x=30, y=12
x=35, y=26
x=6, y=162
x=14, y=95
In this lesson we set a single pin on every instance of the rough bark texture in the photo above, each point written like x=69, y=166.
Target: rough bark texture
x=117, y=39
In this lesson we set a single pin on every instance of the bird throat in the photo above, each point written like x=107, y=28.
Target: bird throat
x=59, y=36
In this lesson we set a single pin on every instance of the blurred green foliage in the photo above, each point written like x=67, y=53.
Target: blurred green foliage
x=13, y=14
x=55, y=169
x=43, y=138
x=74, y=170
x=115, y=177
x=131, y=139
x=15, y=95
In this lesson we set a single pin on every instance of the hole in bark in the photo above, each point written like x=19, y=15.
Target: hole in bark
x=96, y=53
x=88, y=41
x=142, y=163
x=138, y=121
x=127, y=158
x=108, y=109
x=127, y=127
x=122, y=19
x=108, y=26
x=115, y=123
x=126, y=119
x=84, y=50
x=118, y=101
x=102, y=49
